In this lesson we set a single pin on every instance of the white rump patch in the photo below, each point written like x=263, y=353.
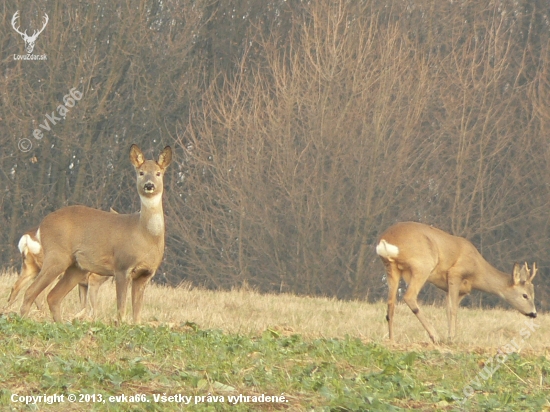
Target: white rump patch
x=28, y=244
x=387, y=250
x=155, y=225
x=22, y=245
x=34, y=247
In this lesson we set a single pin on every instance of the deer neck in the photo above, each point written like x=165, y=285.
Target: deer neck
x=151, y=217
x=492, y=280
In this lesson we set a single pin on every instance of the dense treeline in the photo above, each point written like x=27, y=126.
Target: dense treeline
x=301, y=130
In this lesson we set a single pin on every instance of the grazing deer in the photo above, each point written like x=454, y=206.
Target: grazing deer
x=31, y=262
x=32, y=257
x=78, y=239
x=420, y=253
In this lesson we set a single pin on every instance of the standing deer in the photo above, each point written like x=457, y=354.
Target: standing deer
x=420, y=253
x=32, y=257
x=78, y=239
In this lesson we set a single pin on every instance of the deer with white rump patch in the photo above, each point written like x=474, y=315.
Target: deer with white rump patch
x=32, y=258
x=78, y=239
x=31, y=262
x=420, y=253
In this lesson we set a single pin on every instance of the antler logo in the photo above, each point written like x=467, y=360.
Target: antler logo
x=29, y=40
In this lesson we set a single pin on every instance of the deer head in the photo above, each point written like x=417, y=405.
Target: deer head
x=29, y=40
x=521, y=291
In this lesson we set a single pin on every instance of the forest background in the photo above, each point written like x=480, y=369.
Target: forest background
x=301, y=130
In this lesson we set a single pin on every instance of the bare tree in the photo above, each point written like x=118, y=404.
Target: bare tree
x=302, y=130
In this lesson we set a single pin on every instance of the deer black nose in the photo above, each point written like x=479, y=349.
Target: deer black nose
x=149, y=186
x=532, y=315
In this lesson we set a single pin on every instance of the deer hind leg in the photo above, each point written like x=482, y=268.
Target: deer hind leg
x=417, y=281
x=138, y=288
x=393, y=278
x=29, y=271
x=72, y=277
x=52, y=267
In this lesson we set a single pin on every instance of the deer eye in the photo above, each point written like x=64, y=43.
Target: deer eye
x=158, y=173
x=525, y=296
x=141, y=173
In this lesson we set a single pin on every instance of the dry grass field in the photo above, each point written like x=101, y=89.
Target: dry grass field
x=247, y=312
x=320, y=353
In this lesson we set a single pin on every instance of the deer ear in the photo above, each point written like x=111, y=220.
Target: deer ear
x=165, y=157
x=516, y=274
x=136, y=156
x=534, y=271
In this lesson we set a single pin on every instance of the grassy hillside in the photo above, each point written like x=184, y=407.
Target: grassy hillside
x=240, y=350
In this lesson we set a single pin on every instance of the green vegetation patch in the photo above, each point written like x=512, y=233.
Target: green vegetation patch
x=162, y=368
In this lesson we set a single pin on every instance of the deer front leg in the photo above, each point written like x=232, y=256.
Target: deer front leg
x=138, y=288
x=453, y=300
x=121, y=284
